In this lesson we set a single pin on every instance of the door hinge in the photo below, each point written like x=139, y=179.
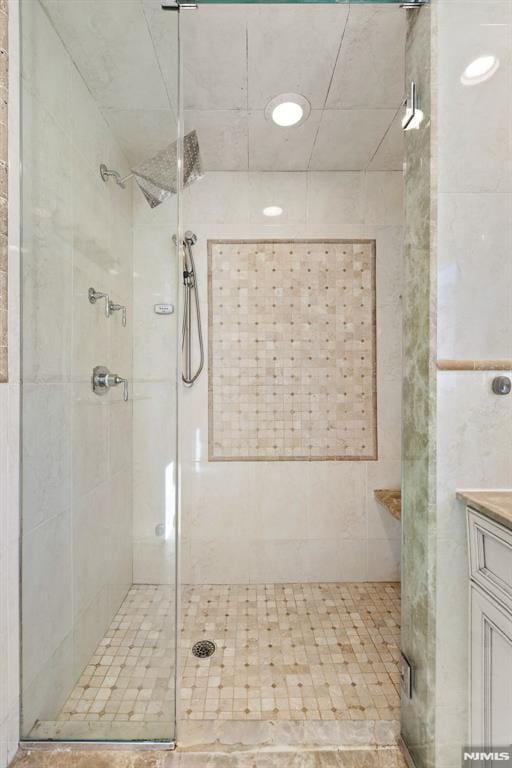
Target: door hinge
x=406, y=681
x=413, y=3
x=176, y=5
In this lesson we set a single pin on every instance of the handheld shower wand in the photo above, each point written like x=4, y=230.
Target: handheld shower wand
x=190, y=285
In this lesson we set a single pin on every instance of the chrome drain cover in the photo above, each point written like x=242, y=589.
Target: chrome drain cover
x=203, y=649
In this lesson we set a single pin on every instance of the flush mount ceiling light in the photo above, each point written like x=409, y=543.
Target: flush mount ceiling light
x=272, y=210
x=479, y=70
x=288, y=109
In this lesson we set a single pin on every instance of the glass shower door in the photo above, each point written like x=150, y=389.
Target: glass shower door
x=99, y=369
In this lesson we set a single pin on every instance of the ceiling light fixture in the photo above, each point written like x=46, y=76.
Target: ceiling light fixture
x=479, y=70
x=288, y=109
x=272, y=210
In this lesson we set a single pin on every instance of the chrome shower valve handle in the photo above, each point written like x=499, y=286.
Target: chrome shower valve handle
x=94, y=295
x=113, y=307
x=124, y=382
x=103, y=381
x=110, y=306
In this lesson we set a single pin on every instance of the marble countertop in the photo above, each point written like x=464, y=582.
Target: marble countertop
x=390, y=499
x=494, y=504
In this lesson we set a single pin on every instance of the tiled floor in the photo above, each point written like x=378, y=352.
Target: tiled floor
x=284, y=652
x=292, y=652
x=129, y=678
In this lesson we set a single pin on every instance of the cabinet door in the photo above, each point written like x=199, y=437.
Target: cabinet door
x=491, y=671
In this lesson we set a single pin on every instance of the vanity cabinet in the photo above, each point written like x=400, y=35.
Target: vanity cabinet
x=490, y=558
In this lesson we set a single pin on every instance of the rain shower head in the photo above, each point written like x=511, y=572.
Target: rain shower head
x=158, y=177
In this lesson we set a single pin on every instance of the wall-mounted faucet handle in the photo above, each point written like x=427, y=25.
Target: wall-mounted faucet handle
x=124, y=382
x=94, y=295
x=113, y=307
x=103, y=380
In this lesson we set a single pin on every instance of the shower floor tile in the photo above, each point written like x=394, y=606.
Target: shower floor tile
x=129, y=678
x=284, y=652
x=292, y=652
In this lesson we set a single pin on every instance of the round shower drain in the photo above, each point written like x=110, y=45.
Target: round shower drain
x=203, y=649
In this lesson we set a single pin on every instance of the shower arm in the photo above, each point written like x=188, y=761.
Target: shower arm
x=120, y=180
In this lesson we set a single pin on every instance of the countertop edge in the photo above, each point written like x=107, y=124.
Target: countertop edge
x=494, y=504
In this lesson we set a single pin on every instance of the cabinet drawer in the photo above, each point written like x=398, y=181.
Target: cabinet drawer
x=490, y=556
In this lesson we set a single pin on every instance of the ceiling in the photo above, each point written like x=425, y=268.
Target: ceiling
x=347, y=60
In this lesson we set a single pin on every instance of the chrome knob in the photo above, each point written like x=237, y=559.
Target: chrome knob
x=103, y=381
x=501, y=385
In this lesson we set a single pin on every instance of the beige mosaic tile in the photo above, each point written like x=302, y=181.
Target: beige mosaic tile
x=285, y=652
x=292, y=652
x=129, y=679
x=292, y=350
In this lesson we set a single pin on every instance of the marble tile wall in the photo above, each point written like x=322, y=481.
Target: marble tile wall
x=251, y=522
x=474, y=313
x=4, y=73
x=474, y=451
x=155, y=266
x=9, y=409
x=77, y=560
x=9, y=567
x=458, y=289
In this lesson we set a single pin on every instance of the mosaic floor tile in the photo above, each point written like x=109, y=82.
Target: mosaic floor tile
x=129, y=678
x=292, y=652
x=283, y=652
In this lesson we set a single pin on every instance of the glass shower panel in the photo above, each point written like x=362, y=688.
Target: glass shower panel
x=100, y=274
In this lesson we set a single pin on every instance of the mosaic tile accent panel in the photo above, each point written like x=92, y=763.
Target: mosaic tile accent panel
x=292, y=350
x=4, y=72
x=292, y=652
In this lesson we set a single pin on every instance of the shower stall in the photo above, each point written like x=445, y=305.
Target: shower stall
x=211, y=371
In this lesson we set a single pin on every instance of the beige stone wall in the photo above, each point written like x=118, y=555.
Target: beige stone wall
x=77, y=452
x=4, y=67
x=295, y=520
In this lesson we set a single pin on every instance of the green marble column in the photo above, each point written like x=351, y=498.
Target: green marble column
x=419, y=406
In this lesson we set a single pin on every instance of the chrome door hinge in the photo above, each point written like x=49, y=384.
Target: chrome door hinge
x=406, y=681
x=177, y=5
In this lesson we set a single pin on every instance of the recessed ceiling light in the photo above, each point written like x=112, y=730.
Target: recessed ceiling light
x=479, y=70
x=287, y=113
x=288, y=109
x=272, y=210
